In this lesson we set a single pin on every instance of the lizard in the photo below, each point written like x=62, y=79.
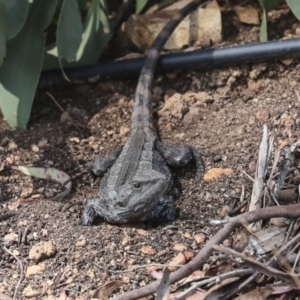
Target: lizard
x=137, y=180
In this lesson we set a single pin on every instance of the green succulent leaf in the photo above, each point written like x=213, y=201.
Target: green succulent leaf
x=14, y=13
x=267, y=6
x=21, y=68
x=2, y=39
x=96, y=33
x=295, y=7
x=69, y=30
x=140, y=4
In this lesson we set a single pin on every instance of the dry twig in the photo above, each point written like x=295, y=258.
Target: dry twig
x=289, y=211
x=21, y=270
x=258, y=266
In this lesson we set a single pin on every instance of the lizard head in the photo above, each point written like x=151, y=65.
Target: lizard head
x=136, y=198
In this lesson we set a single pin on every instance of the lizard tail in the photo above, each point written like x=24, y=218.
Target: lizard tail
x=142, y=110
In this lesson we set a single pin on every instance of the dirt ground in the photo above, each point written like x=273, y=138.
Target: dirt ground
x=223, y=116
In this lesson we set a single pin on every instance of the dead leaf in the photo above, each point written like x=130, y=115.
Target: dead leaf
x=49, y=174
x=105, y=290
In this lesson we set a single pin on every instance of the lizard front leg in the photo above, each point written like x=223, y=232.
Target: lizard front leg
x=101, y=164
x=164, y=212
x=89, y=213
x=183, y=156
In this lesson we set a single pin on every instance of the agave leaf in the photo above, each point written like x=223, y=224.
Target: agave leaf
x=295, y=7
x=22, y=65
x=140, y=4
x=15, y=13
x=267, y=5
x=69, y=30
x=96, y=35
x=2, y=38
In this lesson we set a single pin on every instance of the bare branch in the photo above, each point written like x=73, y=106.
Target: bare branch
x=258, y=266
x=287, y=211
x=261, y=169
x=21, y=270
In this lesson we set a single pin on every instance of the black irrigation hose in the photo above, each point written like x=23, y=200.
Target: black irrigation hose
x=199, y=59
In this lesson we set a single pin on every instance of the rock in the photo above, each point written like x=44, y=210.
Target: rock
x=35, y=148
x=187, y=235
x=202, y=25
x=258, y=85
x=142, y=232
x=35, y=269
x=199, y=238
x=174, y=106
x=262, y=115
x=180, y=247
x=287, y=61
x=171, y=75
x=42, y=143
x=252, y=166
x=203, y=97
x=4, y=141
x=251, y=120
x=11, y=237
x=12, y=146
x=179, y=259
x=26, y=191
x=189, y=255
x=227, y=243
x=4, y=297
x=217, y=158
x=66, y=118
x=80, y=243
x=76, y=140
x=124, y=130
x=148, y=250
x=28, y=292
x=192, y=113
x=208, y=197
x=223, y=212
x=180, y=136
x=125, y=241
x=216, y=173
x=169, y=93
x=42, y=250
x=247, y=15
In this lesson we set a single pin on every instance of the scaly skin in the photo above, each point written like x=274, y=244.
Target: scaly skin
x=137, y=182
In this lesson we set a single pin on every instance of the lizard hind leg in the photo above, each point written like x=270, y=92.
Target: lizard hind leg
x=184, y=156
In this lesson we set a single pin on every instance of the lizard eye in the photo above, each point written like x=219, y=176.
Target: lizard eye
x=120, y=204
x=137, y=186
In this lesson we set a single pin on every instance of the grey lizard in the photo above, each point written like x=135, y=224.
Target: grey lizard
x=137, y=181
